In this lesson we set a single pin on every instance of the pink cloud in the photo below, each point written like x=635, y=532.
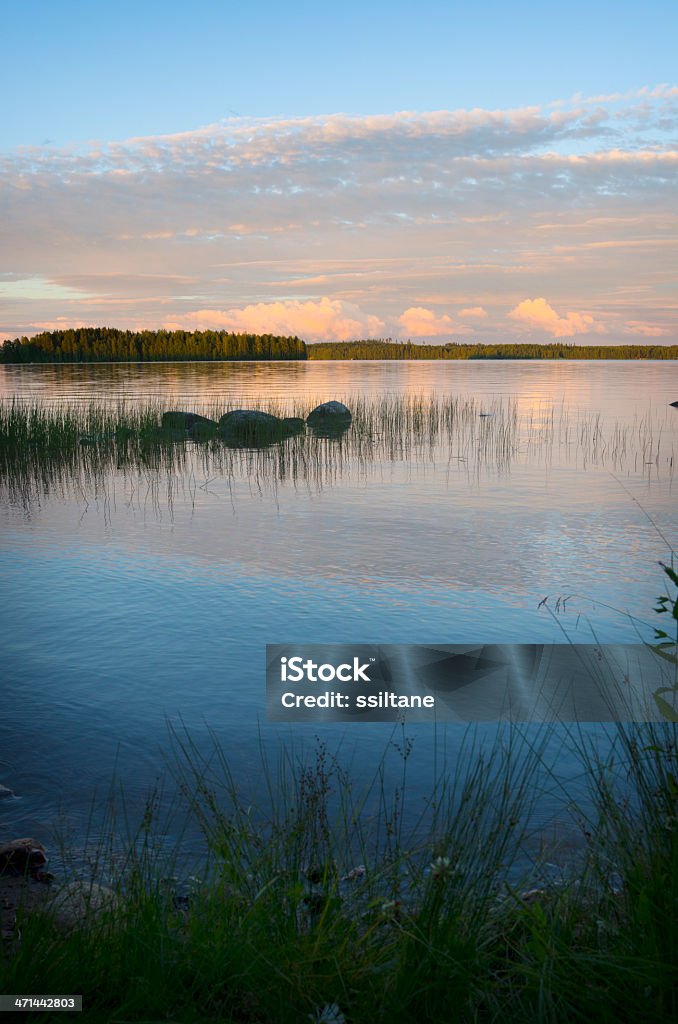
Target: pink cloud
x=61, y=323
x=646, y=329
x=420, y=322
x=325, y=320
x=538, y=315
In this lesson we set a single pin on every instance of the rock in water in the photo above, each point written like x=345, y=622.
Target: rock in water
x=293, y=425
x=252, y=426
x=328, y=411
x=80, y=903
x=22, y=856
x=183, y=420
x=203, y=430
x=238, y=419
x=330, y=420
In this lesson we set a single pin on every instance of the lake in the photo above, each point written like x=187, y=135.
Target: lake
x=142, y=595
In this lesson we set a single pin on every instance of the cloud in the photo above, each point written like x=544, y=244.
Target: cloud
x=313, y=321
x=648, y=330
x=62, y=323
x=473, y=313
x=419, y=322
x=537, y=314
x=333, y=226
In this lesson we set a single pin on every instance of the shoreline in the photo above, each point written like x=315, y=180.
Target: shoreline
x=289, y=924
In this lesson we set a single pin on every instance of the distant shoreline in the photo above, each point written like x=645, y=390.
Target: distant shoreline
x=384, y=350
x=112, y=345
x=672, y=357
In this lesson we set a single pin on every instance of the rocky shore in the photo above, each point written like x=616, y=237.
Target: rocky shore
x=26, y=885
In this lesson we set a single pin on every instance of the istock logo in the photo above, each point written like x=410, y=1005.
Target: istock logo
x=293, y=670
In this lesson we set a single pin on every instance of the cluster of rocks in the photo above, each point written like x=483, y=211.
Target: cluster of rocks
x=238, y=428
x=254, y=426
x=25, y=886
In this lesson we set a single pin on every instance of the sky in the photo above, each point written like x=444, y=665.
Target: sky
x=432, y=171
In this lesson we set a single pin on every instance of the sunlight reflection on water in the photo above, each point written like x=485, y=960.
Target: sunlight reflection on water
x=136, y=596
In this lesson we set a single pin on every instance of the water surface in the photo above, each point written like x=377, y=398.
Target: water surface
x=143, y=594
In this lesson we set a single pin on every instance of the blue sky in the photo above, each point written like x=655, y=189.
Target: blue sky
x=503, y=171
x=112, y=70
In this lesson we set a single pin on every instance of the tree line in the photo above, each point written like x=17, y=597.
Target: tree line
x=385, y=348
x=109, y=344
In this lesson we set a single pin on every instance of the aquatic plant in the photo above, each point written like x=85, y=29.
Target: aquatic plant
x=78, y=446
x=667, y=644
x=325, y=899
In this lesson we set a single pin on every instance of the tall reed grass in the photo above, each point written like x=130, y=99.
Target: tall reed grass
x=326, y=905
x=57, y=447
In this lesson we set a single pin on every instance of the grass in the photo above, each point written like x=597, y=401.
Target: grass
x=325, y=901
x=47, y=448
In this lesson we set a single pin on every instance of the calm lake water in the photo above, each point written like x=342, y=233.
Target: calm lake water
x=147, y=595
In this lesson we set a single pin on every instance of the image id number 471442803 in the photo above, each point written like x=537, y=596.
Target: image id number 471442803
x=31, y=1003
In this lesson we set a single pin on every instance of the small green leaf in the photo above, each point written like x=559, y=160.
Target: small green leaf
x=667, y=711
x=671, y=573
x=658, y=649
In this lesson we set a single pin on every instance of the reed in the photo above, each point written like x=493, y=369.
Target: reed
x=45, y=448
x=330, y=902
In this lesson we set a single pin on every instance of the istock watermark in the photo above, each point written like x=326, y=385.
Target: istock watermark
x=462, y=682
x=294, y=670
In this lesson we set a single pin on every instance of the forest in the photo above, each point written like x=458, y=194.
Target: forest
x=108, y=344
x=385, y=348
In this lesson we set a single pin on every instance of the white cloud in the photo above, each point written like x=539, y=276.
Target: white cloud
x=473, y=313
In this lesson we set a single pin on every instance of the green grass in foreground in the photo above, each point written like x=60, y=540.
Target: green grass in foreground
x=279, y=929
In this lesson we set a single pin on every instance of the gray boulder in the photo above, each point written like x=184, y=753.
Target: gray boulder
x=247, y=419
x=203, y=429
x=293, y=425
x=329, y=420
x=183, y=420
x=81, y=903
x=254, y=427
x=22, y=856
x=329, y=412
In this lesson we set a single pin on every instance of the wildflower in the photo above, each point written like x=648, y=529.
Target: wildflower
x=442, y=868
